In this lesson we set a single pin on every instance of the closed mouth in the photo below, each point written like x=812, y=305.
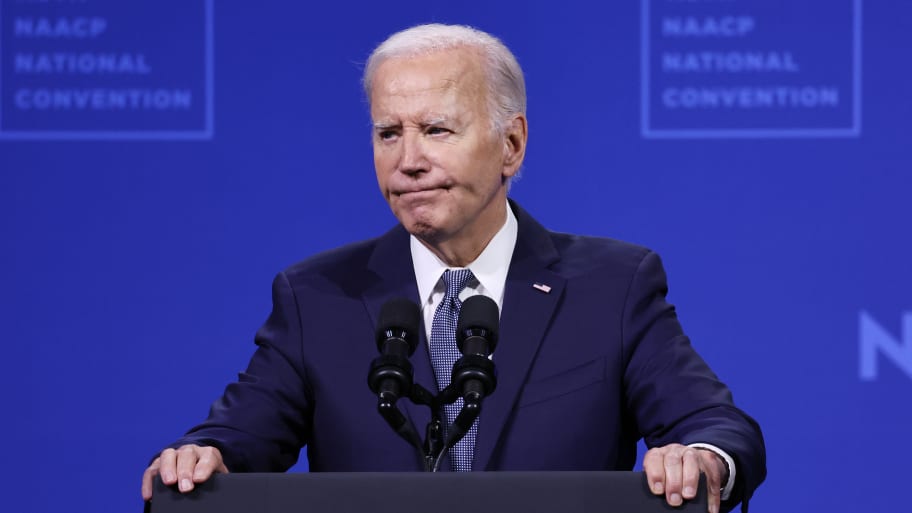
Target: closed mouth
x=419, y=191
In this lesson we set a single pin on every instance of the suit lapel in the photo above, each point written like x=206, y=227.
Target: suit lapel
x=526, y=315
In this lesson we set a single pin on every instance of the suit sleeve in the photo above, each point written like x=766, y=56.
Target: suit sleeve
x=672, y=393
x=264, y=418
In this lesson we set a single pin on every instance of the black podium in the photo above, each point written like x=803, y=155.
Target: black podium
x=448, y=492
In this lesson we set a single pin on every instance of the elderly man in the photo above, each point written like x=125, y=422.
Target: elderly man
x=591, y=357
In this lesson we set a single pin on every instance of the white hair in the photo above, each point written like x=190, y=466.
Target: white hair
x=505, y=82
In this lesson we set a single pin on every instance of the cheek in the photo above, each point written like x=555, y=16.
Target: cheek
x=486, y=159
x=484, y=174
x=382, y=169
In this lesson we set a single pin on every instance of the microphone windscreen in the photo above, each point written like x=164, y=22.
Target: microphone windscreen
x=402, y=316
x=479, y=312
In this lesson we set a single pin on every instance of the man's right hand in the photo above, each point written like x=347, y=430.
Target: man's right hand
x=186, y=466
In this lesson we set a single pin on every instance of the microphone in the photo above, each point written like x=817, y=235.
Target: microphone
x=476, y=338
x=391, y=374
x=476, y=331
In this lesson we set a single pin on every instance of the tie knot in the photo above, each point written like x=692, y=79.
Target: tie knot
x=455, y=280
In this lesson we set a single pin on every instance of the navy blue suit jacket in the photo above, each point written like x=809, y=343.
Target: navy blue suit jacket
x=584, y=371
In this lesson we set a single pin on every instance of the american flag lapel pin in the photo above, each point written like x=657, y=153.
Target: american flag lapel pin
x=542, y=287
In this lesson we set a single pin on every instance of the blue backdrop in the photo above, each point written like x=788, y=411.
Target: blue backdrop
x=161, y=161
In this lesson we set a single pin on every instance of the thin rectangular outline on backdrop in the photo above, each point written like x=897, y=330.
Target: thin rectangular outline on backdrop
x=206, y=133
x=747, y=133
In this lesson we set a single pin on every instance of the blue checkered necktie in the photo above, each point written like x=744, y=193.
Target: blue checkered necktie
x=444, y=354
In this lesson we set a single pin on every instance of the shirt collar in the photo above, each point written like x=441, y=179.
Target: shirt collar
x=490, y=268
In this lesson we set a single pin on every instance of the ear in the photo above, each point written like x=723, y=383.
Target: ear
x=515, y=135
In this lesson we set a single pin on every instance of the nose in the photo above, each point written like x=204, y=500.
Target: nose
x=414, y=159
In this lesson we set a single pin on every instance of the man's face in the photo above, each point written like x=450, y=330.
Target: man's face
x=440, y=164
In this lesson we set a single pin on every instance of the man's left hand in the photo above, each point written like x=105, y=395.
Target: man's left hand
x=674, y=470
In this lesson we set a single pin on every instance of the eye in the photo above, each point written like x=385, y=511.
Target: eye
x=437, y=130
x=386, y=134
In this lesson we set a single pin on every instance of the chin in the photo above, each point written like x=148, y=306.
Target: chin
x=425, y=231
x=420, y=222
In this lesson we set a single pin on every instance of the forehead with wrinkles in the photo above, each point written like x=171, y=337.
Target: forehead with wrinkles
x=447, y=77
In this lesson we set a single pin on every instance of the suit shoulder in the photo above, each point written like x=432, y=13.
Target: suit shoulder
x=586, y=253
x=343, y=260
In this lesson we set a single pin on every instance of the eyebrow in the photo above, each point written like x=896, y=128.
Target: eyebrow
x=437, y=120
x=430, y=121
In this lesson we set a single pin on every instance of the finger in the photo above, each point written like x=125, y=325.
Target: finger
x=691, y=472
x=186, y=463
x=673, y=476
x=654, y=467
x=714, y=497
x=210, y=460
x=168, y=469
x=148, y=476
x=714, y=472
